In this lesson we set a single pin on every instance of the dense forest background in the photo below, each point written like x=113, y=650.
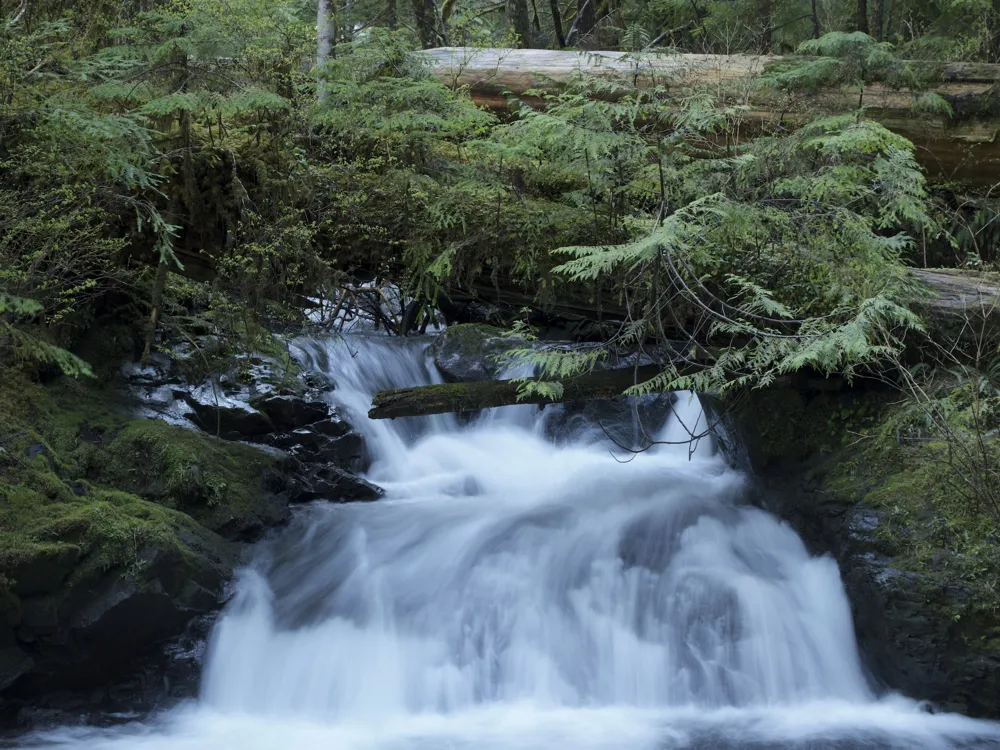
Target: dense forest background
x=248, y=153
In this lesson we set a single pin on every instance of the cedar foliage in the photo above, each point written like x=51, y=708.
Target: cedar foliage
x=172, y=131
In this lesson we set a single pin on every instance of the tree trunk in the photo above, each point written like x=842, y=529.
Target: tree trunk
x=767, y=34
x=815, y=20
x=390, y=14
x=557, y=23
x=157, y=301
x=519, y=20
x=486, y=394
x=325, y=32
x=880, y=20
x=586, y=19
x=425, y=15
x=862, y=19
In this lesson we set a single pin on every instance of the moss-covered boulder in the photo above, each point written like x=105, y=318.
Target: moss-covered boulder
x=114, y=533
x=471, y=351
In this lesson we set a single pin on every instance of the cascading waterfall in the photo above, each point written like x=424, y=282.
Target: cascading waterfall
x=527, y=584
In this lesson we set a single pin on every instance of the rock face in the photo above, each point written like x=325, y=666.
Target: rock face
x=921, y=626
x=88, y=624
x=254, y=400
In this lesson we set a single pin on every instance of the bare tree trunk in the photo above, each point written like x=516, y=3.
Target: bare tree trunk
x=767, y=35
x=390, y=13
x=557, y=23
x=325, y=32
x=425, y=14
x=815, y=20
x=586, y=19
x=880, y=20
x=519, y=20
x=862, y=19
x=157, y=301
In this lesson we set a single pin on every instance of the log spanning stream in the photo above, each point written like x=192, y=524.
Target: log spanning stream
x=521, y=587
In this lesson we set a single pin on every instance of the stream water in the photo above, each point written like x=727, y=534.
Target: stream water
x=522, y=586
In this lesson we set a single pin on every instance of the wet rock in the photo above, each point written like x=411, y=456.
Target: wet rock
x=84, y=632
x=45, y=570
x=471, y=351
x=333, y=427
x=632, y=422
x=159, y=369
x=334, y=484
x=14, y=663
x=345, y=451
x=291, y=411
x=227, y=417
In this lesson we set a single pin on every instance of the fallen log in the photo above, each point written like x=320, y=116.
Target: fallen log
x=485, y=394
x=963, y=148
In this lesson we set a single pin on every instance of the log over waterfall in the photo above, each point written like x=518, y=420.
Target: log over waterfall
x=485, y=394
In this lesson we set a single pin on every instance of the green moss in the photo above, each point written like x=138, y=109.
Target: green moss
x=926, y=524
x=84, y=489
x=180, y=468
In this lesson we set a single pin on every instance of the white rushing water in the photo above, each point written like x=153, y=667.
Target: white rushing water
x=522, y=586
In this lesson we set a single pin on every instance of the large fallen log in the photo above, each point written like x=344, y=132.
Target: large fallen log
x=486, y=394
x=963, y=148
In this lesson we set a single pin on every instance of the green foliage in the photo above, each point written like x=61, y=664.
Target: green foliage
x=855, y=61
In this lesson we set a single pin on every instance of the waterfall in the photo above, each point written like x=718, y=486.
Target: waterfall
x=527, y=583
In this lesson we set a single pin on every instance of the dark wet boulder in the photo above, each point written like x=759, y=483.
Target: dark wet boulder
x=76, y=616
x=332, y=483
x=226, y=417
x=346, y=451
x=332, y=427
x=288, y=411
x=471, y=351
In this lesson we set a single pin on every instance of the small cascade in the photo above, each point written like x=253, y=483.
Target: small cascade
x=527, y=583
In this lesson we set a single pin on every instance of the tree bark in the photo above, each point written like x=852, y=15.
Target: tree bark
x=425, y=15
x=767, y=33
x=325, y=31
x=157, y=301
x=557, y=23
x=390, y=14
x=486, y=394
x=519, y=20
x=586, y=20
x=862, y=20
x=880, y=20
x=815, y=20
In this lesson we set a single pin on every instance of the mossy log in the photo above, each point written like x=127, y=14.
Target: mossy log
x=964, y=147
x=486, y=394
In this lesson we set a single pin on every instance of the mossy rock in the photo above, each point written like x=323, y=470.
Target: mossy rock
x=921, y=565
x=108, y=540
x=471, y=351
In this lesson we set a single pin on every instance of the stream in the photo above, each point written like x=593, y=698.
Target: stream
x=527, y=584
